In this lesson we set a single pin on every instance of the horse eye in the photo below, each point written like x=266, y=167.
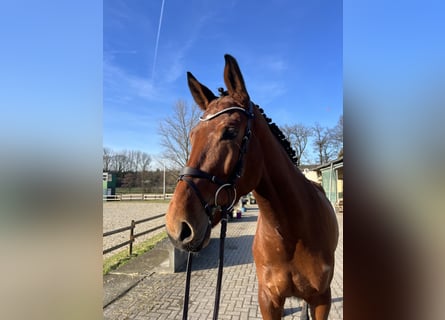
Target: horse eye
x=229, y=134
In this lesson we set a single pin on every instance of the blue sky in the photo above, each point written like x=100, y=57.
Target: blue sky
x=53, y=71
x=290, y=53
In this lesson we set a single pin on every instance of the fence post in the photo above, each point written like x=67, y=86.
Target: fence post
x=133, y=224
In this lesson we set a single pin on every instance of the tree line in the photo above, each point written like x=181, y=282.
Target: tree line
x=326, y=143
x=132, y=170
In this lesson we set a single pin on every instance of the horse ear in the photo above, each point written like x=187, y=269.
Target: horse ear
x=234, y=80
x=201, y=94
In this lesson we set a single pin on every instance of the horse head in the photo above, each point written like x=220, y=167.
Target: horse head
x=219, y=169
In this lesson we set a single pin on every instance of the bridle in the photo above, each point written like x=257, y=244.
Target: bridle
x=188, y=172
x=186, y=175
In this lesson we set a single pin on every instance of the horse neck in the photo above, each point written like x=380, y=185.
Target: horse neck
x=283, y=190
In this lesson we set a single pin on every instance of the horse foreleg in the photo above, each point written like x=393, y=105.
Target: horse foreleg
x=321, y=305
x=271, y=306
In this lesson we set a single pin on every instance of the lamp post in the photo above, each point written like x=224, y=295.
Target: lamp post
x=164, y=183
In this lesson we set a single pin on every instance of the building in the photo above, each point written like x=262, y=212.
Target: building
x=309, y=171
x=108, y=183
x=330, y=176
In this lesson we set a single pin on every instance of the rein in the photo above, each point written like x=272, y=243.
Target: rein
x=220, y=273
x=210, y=210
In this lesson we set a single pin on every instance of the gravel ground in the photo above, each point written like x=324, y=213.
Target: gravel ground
x=118, y=214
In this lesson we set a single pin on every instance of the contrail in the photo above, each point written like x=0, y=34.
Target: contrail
x=157, y=41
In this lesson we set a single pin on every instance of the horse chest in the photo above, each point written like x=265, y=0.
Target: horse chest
x=288, y=270
x=272, y=246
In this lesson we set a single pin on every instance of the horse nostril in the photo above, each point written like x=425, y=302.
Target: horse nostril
x=185, y=232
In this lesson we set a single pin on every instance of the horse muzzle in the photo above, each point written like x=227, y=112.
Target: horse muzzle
x=189, y=238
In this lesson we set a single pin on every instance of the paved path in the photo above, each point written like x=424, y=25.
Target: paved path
x=160, y=296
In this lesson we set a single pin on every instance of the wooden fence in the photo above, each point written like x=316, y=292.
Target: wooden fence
x=137, y=196
x=132, y=236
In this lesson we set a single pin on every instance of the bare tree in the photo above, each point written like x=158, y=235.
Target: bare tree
x=120, y=162
x=297, y=135
x=337, y=137
x=131, y=160
x=322, y=143
x=143, y=162
x=107, y=159
x=175, y=133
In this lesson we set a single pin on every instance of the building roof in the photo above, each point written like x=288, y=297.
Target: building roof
x=336, y=163
x=307, y=166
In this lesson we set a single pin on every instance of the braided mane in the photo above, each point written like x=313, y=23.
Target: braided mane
x=275, y=130
x=280, y=137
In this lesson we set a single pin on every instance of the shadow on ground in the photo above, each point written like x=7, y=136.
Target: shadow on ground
x=234, y=253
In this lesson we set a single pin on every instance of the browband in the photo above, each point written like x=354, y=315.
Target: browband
x=211, y=116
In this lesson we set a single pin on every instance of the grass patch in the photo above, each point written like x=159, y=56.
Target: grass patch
x=121, y=258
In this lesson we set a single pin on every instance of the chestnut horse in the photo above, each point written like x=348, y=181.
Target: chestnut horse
x=233, y=152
